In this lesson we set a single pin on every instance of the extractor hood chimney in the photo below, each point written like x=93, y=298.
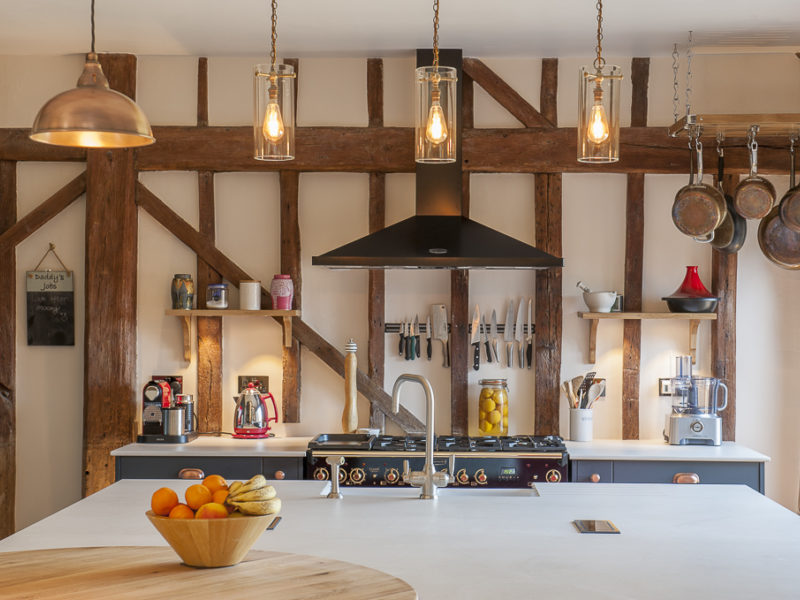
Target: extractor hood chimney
x=438, y=236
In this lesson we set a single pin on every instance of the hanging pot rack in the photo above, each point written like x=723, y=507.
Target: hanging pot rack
x=737, y=125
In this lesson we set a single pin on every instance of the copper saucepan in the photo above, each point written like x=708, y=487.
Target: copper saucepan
x=779, y=243
x=790, y=203
x=754, y=197
x=699, y=208
x=730, y=235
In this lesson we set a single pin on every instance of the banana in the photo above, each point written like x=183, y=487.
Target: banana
x=254, y=483
x=263, y=507
x=265, y=493
x=233, y=487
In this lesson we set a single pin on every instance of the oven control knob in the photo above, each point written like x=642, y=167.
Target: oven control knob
x=357, y=475
x=392, y=475
x=462, y=476
x=321, y=473
x=480, y=476
x=553, y=476
x=342, y=475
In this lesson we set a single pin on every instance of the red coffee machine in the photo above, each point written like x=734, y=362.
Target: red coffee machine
x=251, y=417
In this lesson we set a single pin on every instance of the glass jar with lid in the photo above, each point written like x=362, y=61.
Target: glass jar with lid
x=493, y=407
x=217, y=295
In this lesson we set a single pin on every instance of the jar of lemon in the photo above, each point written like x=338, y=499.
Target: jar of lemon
x=493, y=407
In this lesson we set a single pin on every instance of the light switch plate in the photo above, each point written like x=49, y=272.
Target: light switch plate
x=664, y=386
x=261, y=382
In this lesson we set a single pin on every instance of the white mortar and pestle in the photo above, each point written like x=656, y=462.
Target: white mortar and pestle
x=597, y=301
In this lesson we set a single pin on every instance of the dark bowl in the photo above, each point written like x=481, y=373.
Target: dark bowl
x=691, y=305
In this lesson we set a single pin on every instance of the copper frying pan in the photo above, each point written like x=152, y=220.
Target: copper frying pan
x=790, y=203
x=779, y=243
x=754, y=197
x=699, y=208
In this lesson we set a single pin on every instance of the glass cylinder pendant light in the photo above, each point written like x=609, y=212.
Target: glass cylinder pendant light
x=92, y=115
x=435, y=115
x=273, y=121
x=598, y=106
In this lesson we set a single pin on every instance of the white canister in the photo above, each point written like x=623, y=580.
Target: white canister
x=250, y=295
x=580, y=424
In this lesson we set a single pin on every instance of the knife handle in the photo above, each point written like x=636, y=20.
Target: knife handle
x=446, y=351
x=529, y=354
x=521, y=356
x=430, y=349
x=509, y=354
x=402, y=347
x=476, y=355
x=410, y=348
x=416, y=344
x=495, y=355
x=488, y=351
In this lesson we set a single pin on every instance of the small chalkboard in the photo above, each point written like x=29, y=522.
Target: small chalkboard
x=51, y=308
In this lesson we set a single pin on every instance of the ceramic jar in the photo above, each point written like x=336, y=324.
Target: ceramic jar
x=182, y=291
x=282, y=291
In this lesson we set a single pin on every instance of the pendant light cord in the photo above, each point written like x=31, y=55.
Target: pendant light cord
x=274, y=38
x=92, y=26
x=435, y=34
x=599, y=62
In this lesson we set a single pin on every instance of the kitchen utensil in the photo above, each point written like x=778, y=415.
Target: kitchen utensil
x=790, y=202
x=570, y=391
x=529, y=336
x=594, y=392
x=730, y=235
x=410, y=342
x=440, y=330
x=779, y=244
x=416, y=338
x=401, y=348
x=475, y=338
x=691, y=305
x=508, y=332
x=429, y=350
x=350, y=412
x=599, y=301
x=493, y=335
x=576, y=384
x=698, y=208
x=583, y=287
x=485, y=340
x=691, y=295
x=519, y=334
x=587, y=381
x=754, y=197
x=694, y=418
x=251, y=416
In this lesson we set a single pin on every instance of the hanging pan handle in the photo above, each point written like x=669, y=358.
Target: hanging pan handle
x=752, y=144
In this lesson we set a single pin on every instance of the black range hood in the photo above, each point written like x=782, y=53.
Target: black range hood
x=438, y=236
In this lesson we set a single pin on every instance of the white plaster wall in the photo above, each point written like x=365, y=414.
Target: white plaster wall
x=333, y=210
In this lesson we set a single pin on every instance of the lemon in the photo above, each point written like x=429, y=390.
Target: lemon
x=505, y=410
x=484, y=426
x=486, y=404
x=505, y=422
x=494, y=417
x=482, y=415
x=486, y=393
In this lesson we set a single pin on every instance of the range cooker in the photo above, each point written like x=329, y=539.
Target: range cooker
x=516, y=461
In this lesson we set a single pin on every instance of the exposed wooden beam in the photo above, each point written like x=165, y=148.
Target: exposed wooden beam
x=314, y=342
x=16, y=145
x=724, y=275
x=549, y=311
x=548, y=91
x=202, y=91
x=459, y=351
x=8, y=350
x=504, y=94
x=291, y=265
x=634, y=259
x=40, y=215
x=111, y=266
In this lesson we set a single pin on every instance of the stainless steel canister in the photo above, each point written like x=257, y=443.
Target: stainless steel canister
x=173, y=420
x=186, y=401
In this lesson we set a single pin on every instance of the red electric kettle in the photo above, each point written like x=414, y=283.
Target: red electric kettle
x=251, y=417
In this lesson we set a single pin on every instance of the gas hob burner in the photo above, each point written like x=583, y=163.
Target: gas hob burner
x=397, y=443
x=455, y=443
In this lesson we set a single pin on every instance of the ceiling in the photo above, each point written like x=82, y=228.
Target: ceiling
x=391, y=27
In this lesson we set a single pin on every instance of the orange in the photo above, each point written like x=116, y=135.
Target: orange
x=212, y=510
x=220, y=496
x=181, y=511
x=163, y=501
x=215, y=482
x=197, y=495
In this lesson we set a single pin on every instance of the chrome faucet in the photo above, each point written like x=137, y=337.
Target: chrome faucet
x=428, y=479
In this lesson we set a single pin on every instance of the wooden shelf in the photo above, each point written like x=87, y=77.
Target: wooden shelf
x=693, y=318
x=225, y=312
x=738, y=125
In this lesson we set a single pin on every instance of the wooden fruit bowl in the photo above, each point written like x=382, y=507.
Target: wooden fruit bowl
x=211, y=542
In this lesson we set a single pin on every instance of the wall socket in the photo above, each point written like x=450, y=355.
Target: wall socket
x=261, y=382
x=664, y=386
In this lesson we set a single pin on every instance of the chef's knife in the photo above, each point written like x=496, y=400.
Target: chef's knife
x=402, y=347
x=416, y=337
x=410, y=339
x=475, y=338
x=440, y=330
x=486, y=340
x=529, y=336
x=493, y=334
x=428, y=336
x=508, y=333
x=519, y=335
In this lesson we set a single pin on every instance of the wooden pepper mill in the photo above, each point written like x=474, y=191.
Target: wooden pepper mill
x=350, y=414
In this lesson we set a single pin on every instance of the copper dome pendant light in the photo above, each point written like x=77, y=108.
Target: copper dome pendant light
x=92, y=115
x=598, y=106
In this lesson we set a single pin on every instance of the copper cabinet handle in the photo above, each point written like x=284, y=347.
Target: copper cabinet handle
x=594, y=477
x=280, y=475
x=686, y=478
x=191, y=473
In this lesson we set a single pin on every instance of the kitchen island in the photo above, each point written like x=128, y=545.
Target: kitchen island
x=692, y=541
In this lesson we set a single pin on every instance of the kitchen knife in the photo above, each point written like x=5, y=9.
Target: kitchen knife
x=402, y=347
x=428, y=336
x=529, y=336
x=440, y=330
x=475, y=338
x=519, y=335
x=486, y=340
x=493, y=334
x=410, y=339
x=508, y=332
x=416, y=337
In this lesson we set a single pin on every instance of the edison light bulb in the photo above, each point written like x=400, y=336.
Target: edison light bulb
x=597, y=132
x=273, y=123
x=436, y=130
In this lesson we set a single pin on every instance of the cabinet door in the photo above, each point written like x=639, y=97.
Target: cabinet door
x=168, y=467
x=709, y=472
x=283, y=467
x=592, y=471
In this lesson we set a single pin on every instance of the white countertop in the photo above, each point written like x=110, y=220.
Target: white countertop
x=691, y=541
x=206, y=445
x=660, y=450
